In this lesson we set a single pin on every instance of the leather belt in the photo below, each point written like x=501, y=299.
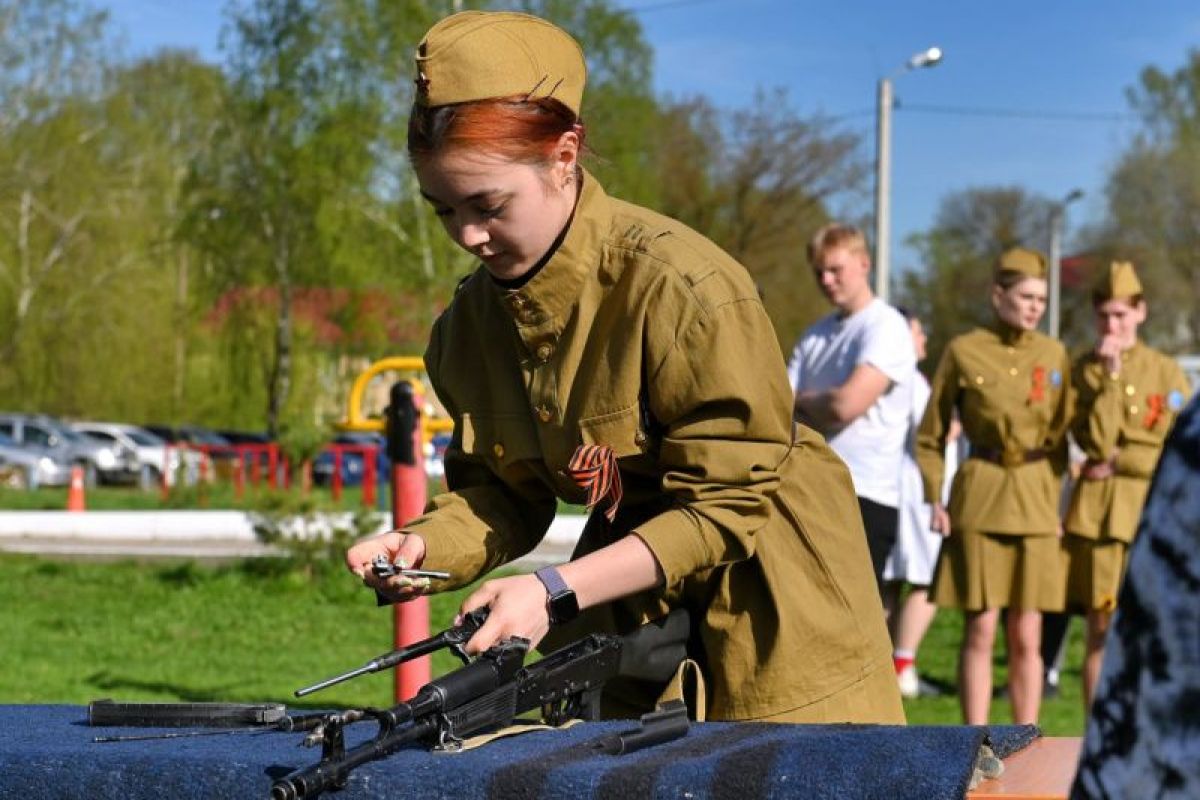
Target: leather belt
x=1008, y=458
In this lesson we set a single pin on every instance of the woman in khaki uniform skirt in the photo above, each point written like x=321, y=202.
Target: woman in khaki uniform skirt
x=1009, y=385
x=1129, y=394
x=608, y=355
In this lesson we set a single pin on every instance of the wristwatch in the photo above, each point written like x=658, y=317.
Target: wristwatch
x=560, y=600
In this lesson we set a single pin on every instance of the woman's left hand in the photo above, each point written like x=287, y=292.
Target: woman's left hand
x=516, y=607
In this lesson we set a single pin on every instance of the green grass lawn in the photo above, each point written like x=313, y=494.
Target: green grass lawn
x=256, y=630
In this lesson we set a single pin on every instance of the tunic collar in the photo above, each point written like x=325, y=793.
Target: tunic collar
x=546, y=301
x=1013, y=337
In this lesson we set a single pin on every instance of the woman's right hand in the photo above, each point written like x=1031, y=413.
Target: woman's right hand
x=405, y=550
x=1109, y=352
x=940, y=521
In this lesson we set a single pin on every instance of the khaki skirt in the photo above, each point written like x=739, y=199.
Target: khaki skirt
x=977, y=571
x=1094, y=569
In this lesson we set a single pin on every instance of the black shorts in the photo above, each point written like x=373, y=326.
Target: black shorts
x=881, y=523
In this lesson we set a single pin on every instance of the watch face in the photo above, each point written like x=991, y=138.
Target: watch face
x=564, y=607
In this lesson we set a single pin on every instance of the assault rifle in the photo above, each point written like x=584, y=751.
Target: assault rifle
x=492, y=691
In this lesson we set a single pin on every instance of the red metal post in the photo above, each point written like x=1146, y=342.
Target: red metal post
x=411, y=619
x=335, y=483
x=272, y=466
x=369, y=454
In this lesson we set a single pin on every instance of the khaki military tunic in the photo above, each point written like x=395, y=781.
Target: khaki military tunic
x=1011, y=391
x=641, y=335
x=1122, y=419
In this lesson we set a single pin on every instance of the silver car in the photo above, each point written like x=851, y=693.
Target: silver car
x=100, y=462
x=30, y=467
x=155, y=457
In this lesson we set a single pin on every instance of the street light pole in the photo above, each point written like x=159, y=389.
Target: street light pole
x=1057, y=216
x=883, y=188
x=883, y=167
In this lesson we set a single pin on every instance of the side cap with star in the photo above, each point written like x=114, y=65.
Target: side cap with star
x=1118, y=282
x=1022, y=260
x=481, y=55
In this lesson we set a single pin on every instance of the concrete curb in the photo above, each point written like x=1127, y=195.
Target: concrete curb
x=193, y=534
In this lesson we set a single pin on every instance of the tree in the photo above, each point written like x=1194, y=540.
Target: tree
x=758, y=181
x=1153, y=199
x=53, y=64
x=292, y=143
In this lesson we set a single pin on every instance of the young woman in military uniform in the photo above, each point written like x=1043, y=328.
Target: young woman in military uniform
x=1008, y=383
x=1129, y=394
x=606, y=354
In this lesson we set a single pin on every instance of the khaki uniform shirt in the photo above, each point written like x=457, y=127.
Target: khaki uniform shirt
x=641, y=335
x=1122, y=417
x=1012, y=394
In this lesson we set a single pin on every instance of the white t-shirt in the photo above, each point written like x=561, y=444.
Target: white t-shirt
x=872, y=445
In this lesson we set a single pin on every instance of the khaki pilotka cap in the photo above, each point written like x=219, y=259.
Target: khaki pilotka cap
x=1118, y=282
x=1030, y=263
x=480, y=55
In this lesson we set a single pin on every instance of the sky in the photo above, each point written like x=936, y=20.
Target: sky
x=1029, y=93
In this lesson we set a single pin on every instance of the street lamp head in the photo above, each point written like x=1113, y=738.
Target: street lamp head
x=1072, y=196
x=926, y=58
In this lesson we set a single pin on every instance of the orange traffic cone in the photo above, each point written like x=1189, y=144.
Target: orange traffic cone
x=75, y=493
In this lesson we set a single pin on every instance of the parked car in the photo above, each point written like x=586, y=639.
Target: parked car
x=151, y=451
x=244, y=437
x=220, y=450
x=30, y=467
x=188, y=434
x=353, y=463
x=100, y=462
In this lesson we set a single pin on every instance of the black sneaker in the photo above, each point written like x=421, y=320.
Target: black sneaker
x=1050, y=691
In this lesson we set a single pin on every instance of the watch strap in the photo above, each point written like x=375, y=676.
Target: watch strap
x=552, y=580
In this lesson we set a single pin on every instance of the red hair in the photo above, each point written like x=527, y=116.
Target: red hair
x=513, y=127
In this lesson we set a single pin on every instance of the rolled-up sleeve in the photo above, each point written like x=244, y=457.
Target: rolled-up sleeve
x=935, y=426
x=721, y=394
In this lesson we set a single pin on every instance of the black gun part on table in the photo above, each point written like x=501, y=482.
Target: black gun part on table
x=496, y=688
x=218, y=719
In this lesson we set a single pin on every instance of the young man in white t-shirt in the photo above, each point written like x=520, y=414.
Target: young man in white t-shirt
x=852, y=372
